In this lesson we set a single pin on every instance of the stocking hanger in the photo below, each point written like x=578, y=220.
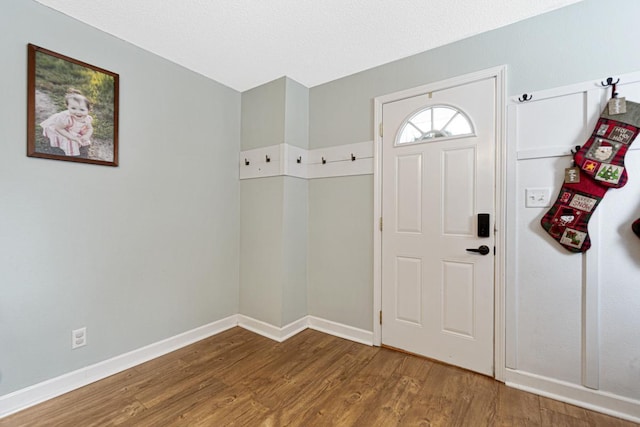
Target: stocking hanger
x=610, y=82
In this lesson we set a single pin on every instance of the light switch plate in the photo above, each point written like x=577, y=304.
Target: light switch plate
x=537, y=197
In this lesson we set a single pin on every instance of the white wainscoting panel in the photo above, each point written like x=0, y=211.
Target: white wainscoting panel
x=561, y=342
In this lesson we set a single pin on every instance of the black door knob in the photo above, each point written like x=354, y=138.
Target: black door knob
x=482, y=250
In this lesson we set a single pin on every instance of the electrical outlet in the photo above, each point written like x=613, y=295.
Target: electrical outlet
x=537, y=197
x=78, y=338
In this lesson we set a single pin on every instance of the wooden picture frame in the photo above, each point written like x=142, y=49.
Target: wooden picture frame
x=72, y=109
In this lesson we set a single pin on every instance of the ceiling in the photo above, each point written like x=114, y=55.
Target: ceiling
x=245, y=43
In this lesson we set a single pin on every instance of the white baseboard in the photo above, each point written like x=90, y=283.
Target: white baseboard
x=272, y=332
x=608, y=403
x=37, y=393
x=339, y=330
x=596, y=400
x=327, y=326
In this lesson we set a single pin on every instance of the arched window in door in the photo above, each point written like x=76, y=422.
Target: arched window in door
x=439, y=121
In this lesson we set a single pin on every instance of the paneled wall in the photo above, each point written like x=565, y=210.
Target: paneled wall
x=572, y=321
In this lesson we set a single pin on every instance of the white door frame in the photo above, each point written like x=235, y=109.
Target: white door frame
x=500, y=209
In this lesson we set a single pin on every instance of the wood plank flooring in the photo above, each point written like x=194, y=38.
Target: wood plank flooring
x=242, y=379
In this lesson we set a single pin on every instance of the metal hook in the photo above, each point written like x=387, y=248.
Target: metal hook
x=324, y=161
x=267, y=158
x=246, y=162
x=525, y=97
x=610, y=82
x=299, y=159
x=613, y=84
x=353, y=158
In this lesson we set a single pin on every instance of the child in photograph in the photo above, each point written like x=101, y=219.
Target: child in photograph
x=70, y=129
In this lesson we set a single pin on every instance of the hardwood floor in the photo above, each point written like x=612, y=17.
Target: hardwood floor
x=313, y=379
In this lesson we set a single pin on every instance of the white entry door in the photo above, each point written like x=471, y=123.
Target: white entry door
x=438, y=174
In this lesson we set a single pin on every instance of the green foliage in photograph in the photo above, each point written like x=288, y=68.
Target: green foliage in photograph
x=55, y=77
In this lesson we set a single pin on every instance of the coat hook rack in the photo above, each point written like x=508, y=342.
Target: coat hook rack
x=353, y=158
x=324, y=161
x=267, y=158
x=613, y=84
x=299, y=159
x=246, y=162
x=525, y=97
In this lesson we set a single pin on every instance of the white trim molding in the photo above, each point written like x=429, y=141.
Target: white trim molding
x=272, y=332
x=38, y=393
x=339, y=330
x=596, y=400
x=327, y=326
x=289, y=160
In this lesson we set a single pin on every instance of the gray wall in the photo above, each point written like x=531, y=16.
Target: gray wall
x=341, y=250
x=263, y=115
x=574, y=44
x=296, y=210
x=261, y=253
x=296, y=131
x=583, y=41
x=273, y=236
x=294, y=238
x=136, y=253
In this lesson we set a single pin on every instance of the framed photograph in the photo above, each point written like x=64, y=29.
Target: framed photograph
x=72, y=109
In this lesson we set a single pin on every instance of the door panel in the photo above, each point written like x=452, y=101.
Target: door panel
x=409, y=289
x=409, y=193
x=458, y=296
x=458, y=195
x=437, y=298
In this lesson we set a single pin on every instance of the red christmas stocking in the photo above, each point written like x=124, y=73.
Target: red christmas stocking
x=601, y=163
x=602, y=156
x=567, y=220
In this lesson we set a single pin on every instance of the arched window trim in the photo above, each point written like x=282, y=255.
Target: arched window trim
x=458, y=111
